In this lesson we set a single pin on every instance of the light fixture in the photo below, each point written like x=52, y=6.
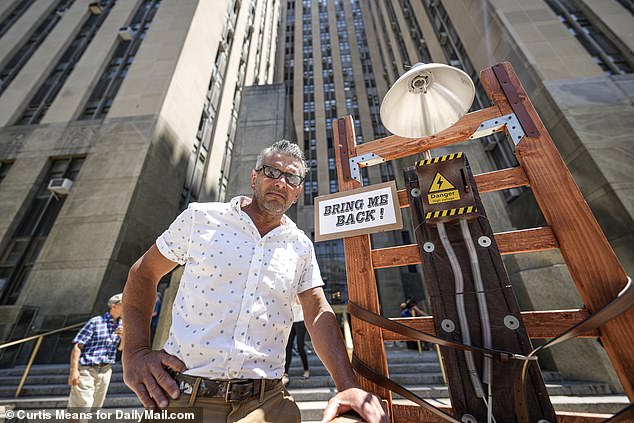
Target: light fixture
x=427, y=99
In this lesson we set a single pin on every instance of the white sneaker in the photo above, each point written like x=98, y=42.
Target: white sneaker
x=306, y=374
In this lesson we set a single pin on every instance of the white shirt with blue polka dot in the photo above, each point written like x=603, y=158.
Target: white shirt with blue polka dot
x=233, y=310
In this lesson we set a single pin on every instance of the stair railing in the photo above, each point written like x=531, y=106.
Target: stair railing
x=39, y=338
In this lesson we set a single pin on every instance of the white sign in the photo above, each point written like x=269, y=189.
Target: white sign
x=366, y=210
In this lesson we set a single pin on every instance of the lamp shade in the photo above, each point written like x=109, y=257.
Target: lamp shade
x=427, y=99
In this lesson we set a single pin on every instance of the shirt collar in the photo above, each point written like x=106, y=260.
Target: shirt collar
x=242, y=200
x=109, y=317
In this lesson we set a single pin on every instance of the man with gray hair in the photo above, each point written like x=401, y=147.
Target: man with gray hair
x=245, y=262
x=93, y=355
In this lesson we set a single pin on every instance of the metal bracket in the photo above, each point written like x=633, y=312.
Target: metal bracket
x=490, y=126
x=369, y=159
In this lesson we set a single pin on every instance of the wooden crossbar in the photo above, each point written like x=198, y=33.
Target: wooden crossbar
x=498, y=180
x=540, y=324
x=394, y=147
x=513, y=242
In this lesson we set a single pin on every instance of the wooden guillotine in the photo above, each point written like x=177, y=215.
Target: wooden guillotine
x=571, y=228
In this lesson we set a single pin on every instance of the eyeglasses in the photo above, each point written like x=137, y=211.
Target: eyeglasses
x=274, y=173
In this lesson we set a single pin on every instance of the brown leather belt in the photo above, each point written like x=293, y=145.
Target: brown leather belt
x=227, y=390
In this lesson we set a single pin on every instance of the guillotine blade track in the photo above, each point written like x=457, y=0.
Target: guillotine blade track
x=442, y=193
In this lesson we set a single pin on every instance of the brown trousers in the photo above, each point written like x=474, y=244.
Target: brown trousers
x=277, y=406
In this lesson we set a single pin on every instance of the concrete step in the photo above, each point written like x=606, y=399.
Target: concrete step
x=56, y=390
x=609, y=404
x=51, y=379
x=47, y=369
x=60, y=402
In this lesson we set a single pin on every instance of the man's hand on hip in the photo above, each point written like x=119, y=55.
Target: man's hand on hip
x=364, y=403
x=144, y=372
x=73, y=377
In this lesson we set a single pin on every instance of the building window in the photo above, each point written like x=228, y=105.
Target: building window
x=130, y=39
x=415, y=32
x=197, y=167
x=400, y=43
x=628, y=4
x=24, y=53
x=4, y=169
x=52, y=85
x=18, y=10
x=604, y=52
x=25, y=245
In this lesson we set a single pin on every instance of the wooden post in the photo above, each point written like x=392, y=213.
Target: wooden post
x=591, y=261
x=362, y=290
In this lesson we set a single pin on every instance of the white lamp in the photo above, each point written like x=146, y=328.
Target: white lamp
x=427, y=99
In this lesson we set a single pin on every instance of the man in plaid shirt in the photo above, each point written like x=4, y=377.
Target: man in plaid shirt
x=93, y=355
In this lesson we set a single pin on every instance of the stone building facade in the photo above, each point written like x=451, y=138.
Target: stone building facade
x=136, y=104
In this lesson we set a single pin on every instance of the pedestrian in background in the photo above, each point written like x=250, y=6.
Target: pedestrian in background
x=93, y=355
x=297, y=331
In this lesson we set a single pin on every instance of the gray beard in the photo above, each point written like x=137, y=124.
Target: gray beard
x=268, y=206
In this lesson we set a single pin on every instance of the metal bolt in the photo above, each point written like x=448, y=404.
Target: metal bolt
x=484, y=241
x=468, y=418
x=428, y=247
x=511, y=322
x=415, y=192
x=448, y=325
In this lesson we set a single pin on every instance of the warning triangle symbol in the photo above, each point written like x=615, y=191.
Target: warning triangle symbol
x=440, y=183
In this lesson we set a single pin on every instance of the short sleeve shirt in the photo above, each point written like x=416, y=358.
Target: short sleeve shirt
x=232, y=313
x=99, y=340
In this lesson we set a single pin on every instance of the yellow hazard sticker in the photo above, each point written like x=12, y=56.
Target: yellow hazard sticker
x=451, y=212
x=440, y=184
x=443, y=197
x=442, y=191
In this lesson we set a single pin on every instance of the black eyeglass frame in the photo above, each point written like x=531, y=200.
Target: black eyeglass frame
x=287, y=175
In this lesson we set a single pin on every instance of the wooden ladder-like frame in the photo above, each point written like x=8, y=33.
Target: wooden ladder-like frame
x=571, y=228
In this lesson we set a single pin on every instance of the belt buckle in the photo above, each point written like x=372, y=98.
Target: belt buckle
x=228, y=391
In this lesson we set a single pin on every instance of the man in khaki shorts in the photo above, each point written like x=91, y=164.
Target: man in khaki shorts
x=245, y=262
x=92, y=357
